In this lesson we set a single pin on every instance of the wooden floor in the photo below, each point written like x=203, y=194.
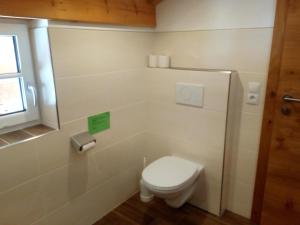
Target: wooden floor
x=134, y=212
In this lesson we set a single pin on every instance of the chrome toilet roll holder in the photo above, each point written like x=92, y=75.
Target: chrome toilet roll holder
x=83, y=142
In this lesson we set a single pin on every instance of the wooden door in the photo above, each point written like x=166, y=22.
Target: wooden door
x=277, y=194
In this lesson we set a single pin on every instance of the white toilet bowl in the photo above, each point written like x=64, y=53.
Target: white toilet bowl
x=170, y=178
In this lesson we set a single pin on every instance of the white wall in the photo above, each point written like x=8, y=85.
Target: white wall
x=44, y=77
x=193, y=133
x=175, y=15
x=44, y=181
x=229, y=34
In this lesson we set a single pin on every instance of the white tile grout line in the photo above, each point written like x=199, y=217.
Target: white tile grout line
x=65, y=165
x=32, y=179
x=88, y=191
x=120, y=141
x=143, y=102
x=158, y=31
x=204, y=108
x=104, y=73
x=110, y=110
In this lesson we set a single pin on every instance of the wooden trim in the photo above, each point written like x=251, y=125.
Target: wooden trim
x=155, y=2
x=114, y=12
x=269, y=109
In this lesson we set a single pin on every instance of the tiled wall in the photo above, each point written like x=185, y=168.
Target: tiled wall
x=43, y=181
x=178, y=15
x=215, y=40
x=194, y=133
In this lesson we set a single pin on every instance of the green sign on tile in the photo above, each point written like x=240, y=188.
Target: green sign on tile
x=99, y=122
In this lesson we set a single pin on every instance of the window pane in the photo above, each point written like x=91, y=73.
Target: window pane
x=10, y=96
x=8, y=62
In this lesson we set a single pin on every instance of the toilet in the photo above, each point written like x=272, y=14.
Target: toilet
x=171, y=178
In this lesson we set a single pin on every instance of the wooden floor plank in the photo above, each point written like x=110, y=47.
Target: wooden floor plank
x=135, y=212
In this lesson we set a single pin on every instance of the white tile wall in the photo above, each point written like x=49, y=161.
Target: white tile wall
x=174, y=15
x=92, y=52
x=244, y=50
x=17, y=165
x=161, y=86
x=44, y=76
x=22, y=205
x=194, y=133
x=43, y=181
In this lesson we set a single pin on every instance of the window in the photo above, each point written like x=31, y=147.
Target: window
x=8, y=54
x=18, y=103
x=11, y=99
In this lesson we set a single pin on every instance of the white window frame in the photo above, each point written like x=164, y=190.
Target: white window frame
x=26, y=73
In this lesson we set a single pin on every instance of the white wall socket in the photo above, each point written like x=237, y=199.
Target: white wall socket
x=253, y=94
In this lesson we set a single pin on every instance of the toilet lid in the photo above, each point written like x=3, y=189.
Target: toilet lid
x=169, y=173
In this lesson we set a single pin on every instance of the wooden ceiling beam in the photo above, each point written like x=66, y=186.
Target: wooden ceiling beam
x=154, y=2
x=116, y=12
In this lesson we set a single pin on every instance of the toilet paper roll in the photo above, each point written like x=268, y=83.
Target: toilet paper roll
x=152, y=61
x=87, y=147
x=163, y=61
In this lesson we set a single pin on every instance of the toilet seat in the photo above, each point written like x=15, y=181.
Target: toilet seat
x=169, y=173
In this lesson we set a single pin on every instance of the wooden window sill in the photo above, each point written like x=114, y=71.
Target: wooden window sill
x=23, y=134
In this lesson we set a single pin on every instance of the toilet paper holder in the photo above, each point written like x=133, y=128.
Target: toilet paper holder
x=83, y=142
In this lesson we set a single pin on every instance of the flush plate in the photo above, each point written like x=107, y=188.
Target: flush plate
x=190, y=94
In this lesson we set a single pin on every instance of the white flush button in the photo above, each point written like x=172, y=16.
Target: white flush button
x=189, y=94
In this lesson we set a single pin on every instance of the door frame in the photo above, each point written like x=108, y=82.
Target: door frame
x=269, y=108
